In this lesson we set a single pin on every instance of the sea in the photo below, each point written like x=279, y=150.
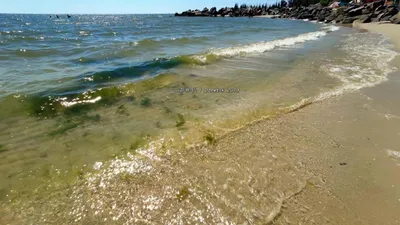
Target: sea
x=93, y=108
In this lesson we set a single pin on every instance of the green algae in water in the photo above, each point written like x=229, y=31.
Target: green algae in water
x=210, y=139
x=181, y=120
x=122, y=110
x=183, y=194
x=137, y=144
x=146, y=102
x=3, y=148
x=64, y=127
x=167, y=110
x=47, y=106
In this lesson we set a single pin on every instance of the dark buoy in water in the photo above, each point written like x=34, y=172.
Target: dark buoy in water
x=58, y=17
x=68, y=16
x=50, y=16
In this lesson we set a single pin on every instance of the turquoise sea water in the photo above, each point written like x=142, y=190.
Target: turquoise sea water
x=94, y=106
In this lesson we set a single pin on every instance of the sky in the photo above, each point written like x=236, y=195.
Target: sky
x=113, y=6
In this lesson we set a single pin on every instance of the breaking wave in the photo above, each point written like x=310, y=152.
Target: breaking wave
x=261, y=47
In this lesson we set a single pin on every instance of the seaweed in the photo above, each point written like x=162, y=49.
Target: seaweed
x=183, y=194
x=122, y=110
x=146, y=102
x=43, y=154
x=3, y=148
x=66, y=126
x=210, y=139
x=95, y=118
x=181, y=120
x=167, y=110
x=47, y=106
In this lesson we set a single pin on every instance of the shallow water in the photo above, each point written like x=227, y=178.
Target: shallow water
x=96, y=101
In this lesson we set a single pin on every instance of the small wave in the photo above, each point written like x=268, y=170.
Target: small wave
x=153, y=67
x=251, y=30
x=171, y=41
x=36, y=53
x=146, y=42
x=261, y=47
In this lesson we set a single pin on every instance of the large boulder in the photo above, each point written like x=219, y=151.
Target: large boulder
x=391, y=11
x=330, y=18
x=339, y=19
x=356, y=11
x=379, y=9
x=348, y=20
x=386, y=18
x=213, y=11
x=379, y=3
x=380, y=16
x=366, y=18
x=350, y=8
x=340, y=11
x=395, y=19
x=366, y=11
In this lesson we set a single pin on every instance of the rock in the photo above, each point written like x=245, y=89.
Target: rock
x=378, y=4
x=380, y=16
x=380, y=8
x=395, y=19
x=375, y=20
x=350, y=8
x=348, y=20
x=213, y=11
x=366, y=11
x=356, y=12
x=386, y=18
x=366, y=18
x=339, y=18
x=391, y=11
x=330, y=18
x=340, y=11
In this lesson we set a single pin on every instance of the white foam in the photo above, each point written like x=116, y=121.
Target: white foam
x=261, y=47
x=77, y=101
x=394, y=154
x=365, y=64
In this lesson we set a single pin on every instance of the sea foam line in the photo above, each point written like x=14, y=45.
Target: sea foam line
x=261, y=47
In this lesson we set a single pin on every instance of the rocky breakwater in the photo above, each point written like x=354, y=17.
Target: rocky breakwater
x=364, y=13
x=227, y=11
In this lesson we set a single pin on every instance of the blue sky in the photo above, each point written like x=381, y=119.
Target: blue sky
x=113, y=6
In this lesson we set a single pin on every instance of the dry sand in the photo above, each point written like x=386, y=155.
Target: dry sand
x=390, y=30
